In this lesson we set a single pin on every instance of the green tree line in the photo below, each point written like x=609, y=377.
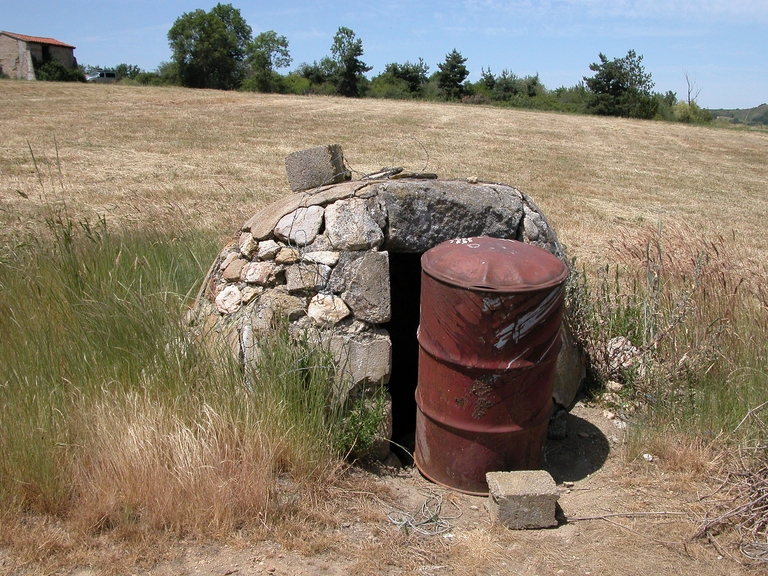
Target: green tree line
x=217, y=49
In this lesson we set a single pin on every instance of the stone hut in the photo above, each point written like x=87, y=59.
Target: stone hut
x=18, y=51
x=343, y=262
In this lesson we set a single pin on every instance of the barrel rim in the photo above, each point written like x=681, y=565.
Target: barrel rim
x=452, y=277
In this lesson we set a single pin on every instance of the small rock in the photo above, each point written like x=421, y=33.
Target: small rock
x=250, y=292
x=620, y=424
x=614, y=386
x=326, y=257
x=258, y=272
x=287, y=256
x=648, y=457
x=248, y=245
x=232, y=272
x=327, y=310
x=228, y=260
x=568, y=484
x=268, y=249
x=608, y=414
x=228, y=301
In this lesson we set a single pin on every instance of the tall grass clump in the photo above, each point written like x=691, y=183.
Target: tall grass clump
x=84, y=312
x=678, y=327
x=308, y=403
x=115, y=416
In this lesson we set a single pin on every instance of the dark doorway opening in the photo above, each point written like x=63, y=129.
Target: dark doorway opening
x=405, y=289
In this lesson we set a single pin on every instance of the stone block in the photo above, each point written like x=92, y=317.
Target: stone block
x=350, y=225
x=570, y=370
x=306, y=277
x=363, y=359
x=315, y=167
x=300, y=226
x=521, y=500
x=362, y=279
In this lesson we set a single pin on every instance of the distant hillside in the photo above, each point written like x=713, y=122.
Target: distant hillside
x=750, y=116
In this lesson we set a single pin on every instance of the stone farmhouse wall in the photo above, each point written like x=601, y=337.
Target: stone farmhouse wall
x=17, y=54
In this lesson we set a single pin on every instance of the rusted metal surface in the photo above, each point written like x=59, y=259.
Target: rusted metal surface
x=491, y=311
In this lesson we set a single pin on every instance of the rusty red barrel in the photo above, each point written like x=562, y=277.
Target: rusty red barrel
x=489, y=336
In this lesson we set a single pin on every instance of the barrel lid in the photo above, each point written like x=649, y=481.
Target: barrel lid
x=493, y=265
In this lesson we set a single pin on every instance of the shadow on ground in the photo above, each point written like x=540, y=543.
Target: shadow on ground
x=578, y=452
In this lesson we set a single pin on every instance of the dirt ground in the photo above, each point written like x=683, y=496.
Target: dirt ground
x=616, y=516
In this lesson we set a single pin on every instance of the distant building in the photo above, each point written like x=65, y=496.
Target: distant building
x=18, y=51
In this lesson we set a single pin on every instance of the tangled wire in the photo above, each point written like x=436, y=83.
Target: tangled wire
x=428, y=520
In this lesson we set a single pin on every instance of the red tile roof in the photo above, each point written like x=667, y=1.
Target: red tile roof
x=37, y=39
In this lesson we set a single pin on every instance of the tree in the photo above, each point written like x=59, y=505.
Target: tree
x=414, y=75
x=345, y=64
x=451, y=75
x=130, y=71
x=209, y=48
x=621, y=87
x=401, y=80
x=267, y=52
x=693, y=90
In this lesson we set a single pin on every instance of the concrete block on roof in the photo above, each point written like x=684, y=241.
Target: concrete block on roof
x=315, y=167
x=522, y=500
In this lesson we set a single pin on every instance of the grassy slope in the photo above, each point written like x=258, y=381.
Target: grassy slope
x=208, y=159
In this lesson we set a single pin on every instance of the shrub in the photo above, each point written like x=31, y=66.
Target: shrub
x=55, y=71
x=476, y=99
x=692, y=113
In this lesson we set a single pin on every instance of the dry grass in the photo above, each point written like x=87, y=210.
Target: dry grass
x=173, y=155
x=141, y=460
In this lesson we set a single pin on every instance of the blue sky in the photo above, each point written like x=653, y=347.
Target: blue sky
x=722, y=44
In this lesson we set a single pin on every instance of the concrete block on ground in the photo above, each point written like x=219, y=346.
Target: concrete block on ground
x=315, y=167
x=521, y=500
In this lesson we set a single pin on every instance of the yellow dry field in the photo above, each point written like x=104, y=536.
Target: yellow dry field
x=184, y=158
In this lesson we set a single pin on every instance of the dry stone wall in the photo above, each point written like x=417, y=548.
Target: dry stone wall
x=321, y=259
